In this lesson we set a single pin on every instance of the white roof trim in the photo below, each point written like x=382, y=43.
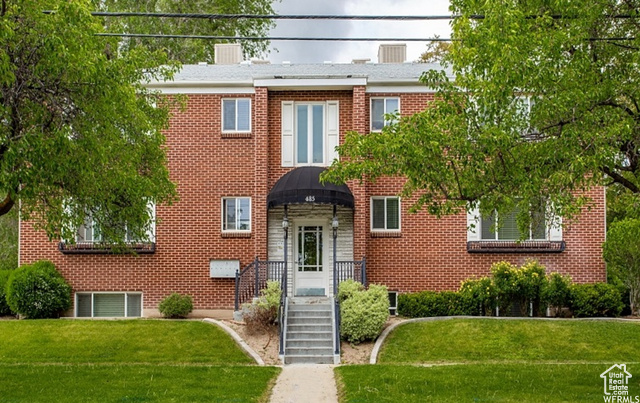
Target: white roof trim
x=404, y=89
x=203, y=90
x=310, y=83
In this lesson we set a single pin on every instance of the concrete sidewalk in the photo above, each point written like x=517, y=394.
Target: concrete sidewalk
x=305, y=383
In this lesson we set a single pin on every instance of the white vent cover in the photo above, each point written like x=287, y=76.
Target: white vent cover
x=392, y=53
x=228, y=53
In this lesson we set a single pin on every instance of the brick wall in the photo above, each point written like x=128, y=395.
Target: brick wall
x=429, y=254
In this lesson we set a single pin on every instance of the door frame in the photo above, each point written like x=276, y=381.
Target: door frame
x=326, y=259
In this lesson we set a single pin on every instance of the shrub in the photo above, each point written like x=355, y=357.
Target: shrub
x=363, y=313
x=598, y=299
x=522, y=285
x=478, y=296
x=557, y=291
x=4, y=306
x=38, y=291
x=176, y=306
x=622, y=253
x=429, y=303
x=347, y=288
x=262, y=313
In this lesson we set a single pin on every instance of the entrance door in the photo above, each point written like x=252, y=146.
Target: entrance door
x=310, y=264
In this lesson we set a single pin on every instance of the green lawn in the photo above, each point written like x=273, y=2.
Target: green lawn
x=478, y=360
x=126, y=361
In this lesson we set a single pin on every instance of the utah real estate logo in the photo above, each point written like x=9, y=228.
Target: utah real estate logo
x=616, y=385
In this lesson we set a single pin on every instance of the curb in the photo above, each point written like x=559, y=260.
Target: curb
x=237, y=339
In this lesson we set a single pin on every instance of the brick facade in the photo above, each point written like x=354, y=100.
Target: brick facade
x=207, y=165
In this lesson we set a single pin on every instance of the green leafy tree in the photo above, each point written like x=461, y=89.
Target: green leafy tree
x=79, y=132
x=188, y=50
x=435, y=51
x=622, y=254
x=544, y=104
x=9, y=241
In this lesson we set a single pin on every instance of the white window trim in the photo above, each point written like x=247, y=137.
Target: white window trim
x=309, y=130
x=151, y=234
x=236, y=117
x=126, y=303
x=553, y=228
x=385, y=214
x=384, y=104
x=393, y=309
x=222, y=218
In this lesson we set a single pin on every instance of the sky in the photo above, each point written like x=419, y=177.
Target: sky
x=344, y=52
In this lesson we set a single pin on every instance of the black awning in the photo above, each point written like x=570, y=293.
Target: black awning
x=302, y=185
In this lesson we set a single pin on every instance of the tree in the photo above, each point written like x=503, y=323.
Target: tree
x=435, y=51
x=622, y=253
x=79, y=133
x=544, y=104
x=189, y=50
x=9, y=241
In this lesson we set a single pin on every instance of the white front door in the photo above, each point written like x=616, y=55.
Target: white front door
x=310, y=259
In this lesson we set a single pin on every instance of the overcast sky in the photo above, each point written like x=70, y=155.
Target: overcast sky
x=344, y=52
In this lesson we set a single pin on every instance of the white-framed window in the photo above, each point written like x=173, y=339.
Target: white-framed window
x=310, y=132
x=381, y=107
x=89, y=231
x=385, y=213
x=236, y=214
x=108, y=305
x=393, y=303
x=236, y=115
x=508, y=228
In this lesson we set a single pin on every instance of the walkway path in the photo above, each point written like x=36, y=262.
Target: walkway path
x=305, y=383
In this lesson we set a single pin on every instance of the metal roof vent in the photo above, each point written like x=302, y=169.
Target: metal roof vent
x=392, y=53
x=360, y=61
x=228, y=53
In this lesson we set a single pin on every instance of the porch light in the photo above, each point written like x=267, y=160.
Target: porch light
x=285, y=223
x=334, y=225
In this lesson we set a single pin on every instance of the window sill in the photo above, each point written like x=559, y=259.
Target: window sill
x=386, y=234
x=236, y=234
x=86, y=248
x=515, y=247
x=236, y=135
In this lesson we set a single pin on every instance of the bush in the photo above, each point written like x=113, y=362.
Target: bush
x=594, y=300
x=429, y=303
x=261, y=315
x=622, y=254
x=478, y=296
x=4, y=306
x=176, y=306
x=522, y=285
x=557, y=292
x=363, y=313
x=347, y=288
x=38, y=291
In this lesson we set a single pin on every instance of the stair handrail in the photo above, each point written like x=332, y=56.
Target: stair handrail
x=282, y=309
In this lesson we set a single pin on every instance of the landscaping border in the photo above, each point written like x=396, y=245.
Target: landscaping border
x=237, y=339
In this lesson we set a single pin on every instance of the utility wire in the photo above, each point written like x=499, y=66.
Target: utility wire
x=274, y=38
x=328, y=17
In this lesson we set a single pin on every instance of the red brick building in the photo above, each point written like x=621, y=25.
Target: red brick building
x=245, y=127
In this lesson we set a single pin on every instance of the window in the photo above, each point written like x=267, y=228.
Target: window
x=385, y=213
x=89, y=232
x=236, y=115
x=108, y=305
x=309, y=136
x=381, y=107
x=236, y=214
x=393, y=303
x=508, y=231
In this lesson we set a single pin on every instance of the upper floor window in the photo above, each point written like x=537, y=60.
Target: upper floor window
x=381, y=107
x=236, y=115
x=236, y=214
x=507, y=229
x=90, y=231
x=385, y=213
x=309, y=137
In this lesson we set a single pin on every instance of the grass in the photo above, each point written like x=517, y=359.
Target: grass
x=475, y=383
x=495, y=360
x=481, y=340
x=126, y=361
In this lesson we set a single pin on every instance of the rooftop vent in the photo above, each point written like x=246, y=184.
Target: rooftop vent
x=259, y=61
x=228, y=53
x=392, y=53
x=360, y=61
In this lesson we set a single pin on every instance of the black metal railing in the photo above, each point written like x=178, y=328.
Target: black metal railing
x=253, y=278
x=99, y=248
x=342, y=271
x=282, y=309
x=515, y=246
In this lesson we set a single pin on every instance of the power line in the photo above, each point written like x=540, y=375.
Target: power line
x=273, y=38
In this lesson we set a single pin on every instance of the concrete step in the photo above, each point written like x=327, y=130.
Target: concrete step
x=310, y=335
x=308, y=351
x=295, y=343
x=314, y=320
x=309, y=308
x=308, y=359
x=309, y=314
x=310, y=328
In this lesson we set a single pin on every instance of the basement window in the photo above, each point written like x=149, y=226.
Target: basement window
x=108, y=305
x=393, y=303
